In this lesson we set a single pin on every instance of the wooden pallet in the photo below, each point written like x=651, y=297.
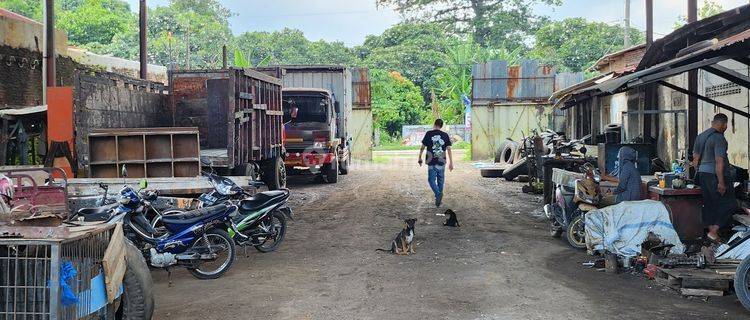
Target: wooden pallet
x=695, y=282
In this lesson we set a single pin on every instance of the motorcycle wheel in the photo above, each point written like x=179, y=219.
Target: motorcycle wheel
x=555, y=230
x=277, y=224
x=575, y=233
x=216, y=241
x=742, y=282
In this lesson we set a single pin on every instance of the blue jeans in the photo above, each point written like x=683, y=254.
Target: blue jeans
x=436, y=178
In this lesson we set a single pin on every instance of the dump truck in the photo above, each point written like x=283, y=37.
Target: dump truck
x=239, y=116
x=317, y=107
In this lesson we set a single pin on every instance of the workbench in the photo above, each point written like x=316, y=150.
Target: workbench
x=684, y=207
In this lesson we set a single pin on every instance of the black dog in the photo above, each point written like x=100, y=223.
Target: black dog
x=452, y=221
x=402, y=244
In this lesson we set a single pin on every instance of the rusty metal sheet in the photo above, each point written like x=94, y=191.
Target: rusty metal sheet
x=361, y=94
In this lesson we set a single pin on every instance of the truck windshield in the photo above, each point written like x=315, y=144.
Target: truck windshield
x=309, y=109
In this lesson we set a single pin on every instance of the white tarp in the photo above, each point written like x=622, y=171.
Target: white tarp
x=622, y=228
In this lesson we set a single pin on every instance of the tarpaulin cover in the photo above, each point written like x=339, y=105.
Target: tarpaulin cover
x=622, y=228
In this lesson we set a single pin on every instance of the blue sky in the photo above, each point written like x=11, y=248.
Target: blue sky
x=351, y=20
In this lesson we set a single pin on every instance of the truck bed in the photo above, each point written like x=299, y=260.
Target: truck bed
x=219, y=157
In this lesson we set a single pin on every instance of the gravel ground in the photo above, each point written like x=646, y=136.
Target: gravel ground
x=500, y=264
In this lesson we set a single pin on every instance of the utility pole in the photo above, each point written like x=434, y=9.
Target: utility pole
x=142, y=43
x=626, y=25
x=692, y=110
x=49, y=51
x=649, y=23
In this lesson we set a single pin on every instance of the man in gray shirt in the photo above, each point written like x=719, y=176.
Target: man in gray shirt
x=714, y=176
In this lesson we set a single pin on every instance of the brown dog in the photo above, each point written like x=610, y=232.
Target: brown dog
x=402, y=243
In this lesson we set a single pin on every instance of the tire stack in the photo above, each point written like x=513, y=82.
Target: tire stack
x=505, y=158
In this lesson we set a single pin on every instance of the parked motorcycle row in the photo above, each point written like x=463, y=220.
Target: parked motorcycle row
x=202, y=240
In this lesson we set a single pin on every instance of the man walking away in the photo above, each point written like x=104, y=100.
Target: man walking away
x=438, y=143
x=715, y=176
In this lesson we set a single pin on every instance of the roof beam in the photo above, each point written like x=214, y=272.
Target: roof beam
x=677, y=70
x=706, y=99
x=729, y=74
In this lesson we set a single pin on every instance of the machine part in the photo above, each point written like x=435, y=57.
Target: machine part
x=162, y=260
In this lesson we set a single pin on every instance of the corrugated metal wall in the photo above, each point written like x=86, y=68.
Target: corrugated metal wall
x=511, y=101
x=361, y=121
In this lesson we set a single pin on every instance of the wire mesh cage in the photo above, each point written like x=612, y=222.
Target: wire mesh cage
x=52, y=278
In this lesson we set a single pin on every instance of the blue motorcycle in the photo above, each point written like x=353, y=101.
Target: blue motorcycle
x=194, y=239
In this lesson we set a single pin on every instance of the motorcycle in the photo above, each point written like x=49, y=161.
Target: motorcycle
x=194, y=239
x=260, y=220
x=567, y=212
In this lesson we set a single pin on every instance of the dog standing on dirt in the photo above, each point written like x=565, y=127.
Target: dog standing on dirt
x=402, y=244
x=452, y=221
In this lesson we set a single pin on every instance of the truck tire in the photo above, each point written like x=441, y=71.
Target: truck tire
x=516, y=169
x=344, y=166
x=137, y=300
x=491, y=173
x=331, y=172
x=274, y=174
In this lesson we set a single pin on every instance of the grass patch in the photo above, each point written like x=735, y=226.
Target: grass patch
x=394, y=147
x=380, y=159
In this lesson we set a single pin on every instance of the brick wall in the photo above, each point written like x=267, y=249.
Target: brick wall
x=21, y=76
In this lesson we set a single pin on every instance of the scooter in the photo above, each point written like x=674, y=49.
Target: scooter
x=260, y=220
x=194, y=239
x=567, y=212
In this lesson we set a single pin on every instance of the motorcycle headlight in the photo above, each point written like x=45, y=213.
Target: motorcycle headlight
x=124, y=200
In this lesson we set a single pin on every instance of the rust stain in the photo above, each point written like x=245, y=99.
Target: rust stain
x=513, y=72
x=362, y=87
x=546, y=70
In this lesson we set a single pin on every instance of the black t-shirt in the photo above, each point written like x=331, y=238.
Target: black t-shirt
x=436, y=142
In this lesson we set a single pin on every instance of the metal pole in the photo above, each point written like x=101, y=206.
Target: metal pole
x=649, y=22
x=224, y=57
x=692, y=86
x=626, y=27
x=50, y=47
x=142, y=32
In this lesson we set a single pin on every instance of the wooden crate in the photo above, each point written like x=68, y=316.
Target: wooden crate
x=695, y=282
x=145, y=152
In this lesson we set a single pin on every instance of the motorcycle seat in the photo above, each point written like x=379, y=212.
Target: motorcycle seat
x=262, y=199
x=193, y=216
x=96, y=213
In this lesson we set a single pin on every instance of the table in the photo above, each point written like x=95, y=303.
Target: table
x=684, y=207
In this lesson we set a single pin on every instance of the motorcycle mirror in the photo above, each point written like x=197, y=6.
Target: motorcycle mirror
x=143, y=184
x=124, y=171
x=294, y=112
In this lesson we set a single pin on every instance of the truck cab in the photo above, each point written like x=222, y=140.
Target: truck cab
x=311, y=133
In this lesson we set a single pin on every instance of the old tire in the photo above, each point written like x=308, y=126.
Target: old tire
x=516, y=169
x=225, y=239
x=274, y=174
x=507, y=153
x=137, y=300
x=742, y=282
x=575, y=233
x=331, y=172
x=491, y=173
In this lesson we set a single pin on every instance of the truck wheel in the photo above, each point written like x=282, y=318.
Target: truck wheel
x=274, y=174
x=137, y=300
x=344, y=166
x=742, y=282
x=331, y=172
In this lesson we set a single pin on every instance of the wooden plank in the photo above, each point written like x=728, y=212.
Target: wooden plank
x=701, y=292
x=114, y=264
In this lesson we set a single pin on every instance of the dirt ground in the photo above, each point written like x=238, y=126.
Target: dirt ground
x=500, y=264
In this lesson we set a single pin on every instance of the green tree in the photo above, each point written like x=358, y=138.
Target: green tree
x=95, y=21
x=29, y=8
x=489, y=22
x=290, y=46
x=709, y=8
x=413, y=49
x=575, y=44
x=396, y=101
